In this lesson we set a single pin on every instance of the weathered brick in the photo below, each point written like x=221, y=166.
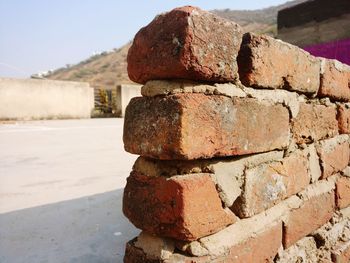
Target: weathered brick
x=261, y=247
x=335, y=80
x=192, y=126
x=182, y=207
x=344, y=118
x=314, y=122
x=343, y=192
x=186, y=43
x=227, y=173
x=265, y=62
x=268, y=184
x=223, y=241
x=334, y=154
x=311, y=215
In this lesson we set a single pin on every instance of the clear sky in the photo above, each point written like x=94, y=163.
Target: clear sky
x=38, y=35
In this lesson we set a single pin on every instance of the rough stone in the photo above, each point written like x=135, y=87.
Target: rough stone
x=155, y=247
x=265, y=62
x=165, y=127
x=332, y=234
x=167, y=87
x=314, y=164
x=136, y=255
x=289, y=99
x=318, y=188
x=196, y=248
x=314, y=122
x=268, y=184
x=335, y=80
x=334, y=154
x=181, y=207
x=186, y=43
x=342, y=253
x=346, y=171
x=229, y=175
x=345, y=213
x=305, y=250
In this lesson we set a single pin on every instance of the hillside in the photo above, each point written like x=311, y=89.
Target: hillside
x=109, y=68
x=103, y=71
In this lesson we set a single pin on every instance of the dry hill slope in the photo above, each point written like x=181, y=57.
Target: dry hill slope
x=109, y=69
x=103, y=71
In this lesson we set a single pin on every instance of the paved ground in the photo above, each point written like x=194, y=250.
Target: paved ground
x=61, y=185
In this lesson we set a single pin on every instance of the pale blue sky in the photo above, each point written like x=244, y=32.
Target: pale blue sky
x=38, y=35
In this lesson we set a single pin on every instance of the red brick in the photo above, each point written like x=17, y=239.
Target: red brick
x=192, y=126
x=333, y=158
x=343, y=118
x=182, y=207
x=261, y=248
x=314, y=122
x=343, y=192
x=314, y=213
x=186, y=43
x=265, y=62
x=335, y=80
x=268, y=184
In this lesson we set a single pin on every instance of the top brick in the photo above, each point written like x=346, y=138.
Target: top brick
x=265, y=62
x=186, y=43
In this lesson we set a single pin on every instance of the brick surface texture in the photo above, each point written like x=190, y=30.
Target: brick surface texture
x=335, y=159
x=314, y=122
x=344, y=119
x=185, y=44
x=165, y=127
x=343, y=192
x=265, y=62
x=177, y=207
x=268, y=184
x=244, y=146
x=310, y=216
x=335, y=81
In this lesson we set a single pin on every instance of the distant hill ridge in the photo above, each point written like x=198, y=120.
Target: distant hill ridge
x=108, y=69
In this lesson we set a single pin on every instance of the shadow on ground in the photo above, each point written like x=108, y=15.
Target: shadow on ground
x=86, y=230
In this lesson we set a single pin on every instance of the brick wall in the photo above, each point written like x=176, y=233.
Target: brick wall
x=243, y=144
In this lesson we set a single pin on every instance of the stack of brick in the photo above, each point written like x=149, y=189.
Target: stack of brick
x=243, y=144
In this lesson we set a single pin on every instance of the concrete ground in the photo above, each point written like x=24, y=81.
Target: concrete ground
x=61, y=186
